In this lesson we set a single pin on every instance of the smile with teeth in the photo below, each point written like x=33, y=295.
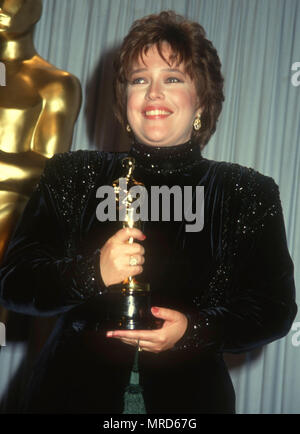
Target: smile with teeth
x=157, y=113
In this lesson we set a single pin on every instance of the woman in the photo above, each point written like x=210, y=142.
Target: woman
x=228, y=287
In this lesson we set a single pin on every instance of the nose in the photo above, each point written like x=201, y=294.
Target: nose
x=155, y=90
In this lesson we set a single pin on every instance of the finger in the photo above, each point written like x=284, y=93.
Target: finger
x=124, y=260
x=166, y=314
x=144, y=345
x=139, y=260
x=132, y=342
x=147, y=335
x=134, y=249
x=118, y=249
x=133, y=270
x=124, y=234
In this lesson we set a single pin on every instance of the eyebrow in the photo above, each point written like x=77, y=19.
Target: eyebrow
x=136, y=71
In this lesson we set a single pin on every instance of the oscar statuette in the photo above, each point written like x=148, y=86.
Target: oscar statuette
x=129, y=304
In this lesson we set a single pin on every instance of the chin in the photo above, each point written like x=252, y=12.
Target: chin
x=156, y=140
x=163, y=141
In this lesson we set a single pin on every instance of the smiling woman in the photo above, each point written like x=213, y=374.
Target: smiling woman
x=162, y=101
x=179, y=50
x=226, y=288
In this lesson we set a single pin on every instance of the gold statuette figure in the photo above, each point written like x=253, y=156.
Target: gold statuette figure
x=39, y=105
x=38, y=108
x=129, y=302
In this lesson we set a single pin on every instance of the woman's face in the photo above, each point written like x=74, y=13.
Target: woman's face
x=162, y=101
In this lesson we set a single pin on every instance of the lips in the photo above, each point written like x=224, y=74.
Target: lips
x=156, y=112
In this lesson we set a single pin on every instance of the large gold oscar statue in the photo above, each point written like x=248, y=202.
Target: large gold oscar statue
x=38, y=108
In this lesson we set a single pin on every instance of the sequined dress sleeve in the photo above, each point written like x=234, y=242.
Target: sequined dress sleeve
x=42, y=273
x=250, y=300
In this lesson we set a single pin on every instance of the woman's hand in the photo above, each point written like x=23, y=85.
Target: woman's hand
x=155, y=341
x=116, y=253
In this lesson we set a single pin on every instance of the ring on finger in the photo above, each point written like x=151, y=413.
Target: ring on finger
x=133, y=261
x=138, y=345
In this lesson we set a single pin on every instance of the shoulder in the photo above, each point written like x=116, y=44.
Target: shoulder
x=63, y=86
x=236, y=178
x=247, y=193
x=54, y=82
x=49, y=73
x=76, y=166
x=69, y=177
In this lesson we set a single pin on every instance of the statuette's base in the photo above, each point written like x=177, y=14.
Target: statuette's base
x=129, y=307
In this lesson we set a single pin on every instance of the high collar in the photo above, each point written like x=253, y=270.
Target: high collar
x=166, y=160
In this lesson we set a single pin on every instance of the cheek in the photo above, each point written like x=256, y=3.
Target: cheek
x=133, y=102
x=187, y=101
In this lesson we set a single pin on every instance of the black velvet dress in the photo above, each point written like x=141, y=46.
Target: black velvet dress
x=233, y=280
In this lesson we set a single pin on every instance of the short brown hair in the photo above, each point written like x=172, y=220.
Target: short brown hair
x=190, y=46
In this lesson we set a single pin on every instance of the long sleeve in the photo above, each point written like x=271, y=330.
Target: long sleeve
x=259, y=306
x=39, y=276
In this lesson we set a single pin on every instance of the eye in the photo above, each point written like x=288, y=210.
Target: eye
x=138, y=80
x=173, y=80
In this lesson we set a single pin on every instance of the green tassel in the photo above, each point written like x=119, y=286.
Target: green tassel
x=133, y=397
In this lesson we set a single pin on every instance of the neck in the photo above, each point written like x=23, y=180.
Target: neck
x=166, y=159
x=19, y=47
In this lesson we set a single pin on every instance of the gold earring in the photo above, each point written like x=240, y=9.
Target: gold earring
x=197, y=123
x=128, y=129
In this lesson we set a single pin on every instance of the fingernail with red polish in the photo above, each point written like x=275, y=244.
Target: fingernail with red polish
x=155, y=309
